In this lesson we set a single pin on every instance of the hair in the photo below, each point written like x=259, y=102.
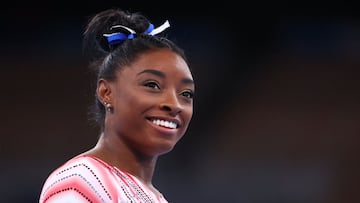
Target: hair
x=106, y=59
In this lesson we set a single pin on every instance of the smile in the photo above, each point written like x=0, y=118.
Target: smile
x=164, y=123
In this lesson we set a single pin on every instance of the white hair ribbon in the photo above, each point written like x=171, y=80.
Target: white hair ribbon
x=118, y=37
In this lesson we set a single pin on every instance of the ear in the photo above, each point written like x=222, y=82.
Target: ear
x=103, y=91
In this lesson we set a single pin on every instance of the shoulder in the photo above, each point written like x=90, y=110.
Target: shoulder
x=82, y=178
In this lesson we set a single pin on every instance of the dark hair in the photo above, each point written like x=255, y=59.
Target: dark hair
x=106, y=59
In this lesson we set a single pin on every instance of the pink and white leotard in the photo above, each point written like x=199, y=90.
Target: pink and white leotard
x=89, y=179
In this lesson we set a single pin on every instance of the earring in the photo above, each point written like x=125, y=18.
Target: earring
x=108, y=106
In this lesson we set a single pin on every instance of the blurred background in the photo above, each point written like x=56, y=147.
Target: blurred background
x=276, y=109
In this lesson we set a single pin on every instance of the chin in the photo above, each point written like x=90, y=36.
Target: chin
x=165, y=149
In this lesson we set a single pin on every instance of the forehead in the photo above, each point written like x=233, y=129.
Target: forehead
x=163, y=60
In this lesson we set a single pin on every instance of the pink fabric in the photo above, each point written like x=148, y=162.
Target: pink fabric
x=88, y=179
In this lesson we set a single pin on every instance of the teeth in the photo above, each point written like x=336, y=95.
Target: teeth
x=167, y=124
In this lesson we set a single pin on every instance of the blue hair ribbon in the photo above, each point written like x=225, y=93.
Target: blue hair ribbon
x=116, y=38
x=149, y=29
x=119, y=37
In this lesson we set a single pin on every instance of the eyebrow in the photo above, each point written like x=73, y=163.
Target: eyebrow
x=154, y=72
x=162, y=75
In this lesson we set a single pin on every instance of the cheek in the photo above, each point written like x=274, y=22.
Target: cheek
x=132, y=102
x=128, y=112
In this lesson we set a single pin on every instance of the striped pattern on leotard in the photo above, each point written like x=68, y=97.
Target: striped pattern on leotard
x=89, y=179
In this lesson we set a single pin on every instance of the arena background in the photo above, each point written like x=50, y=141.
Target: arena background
x=276, y=109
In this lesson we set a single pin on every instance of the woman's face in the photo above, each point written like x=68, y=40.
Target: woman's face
x=152, y=102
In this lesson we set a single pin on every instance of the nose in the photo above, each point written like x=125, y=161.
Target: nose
x=171, y=104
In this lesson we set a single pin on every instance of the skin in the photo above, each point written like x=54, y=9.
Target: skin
x=158, y=85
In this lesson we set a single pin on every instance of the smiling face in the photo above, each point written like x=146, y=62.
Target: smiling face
x=152, y=103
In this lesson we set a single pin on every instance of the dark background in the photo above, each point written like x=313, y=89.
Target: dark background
x=276, y=110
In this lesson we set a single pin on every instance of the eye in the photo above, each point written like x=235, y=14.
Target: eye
x=189, y=94
x=152, y=84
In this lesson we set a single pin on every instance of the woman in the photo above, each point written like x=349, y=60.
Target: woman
x=143, y=105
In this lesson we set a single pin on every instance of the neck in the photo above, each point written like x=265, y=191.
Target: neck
x=117, y=154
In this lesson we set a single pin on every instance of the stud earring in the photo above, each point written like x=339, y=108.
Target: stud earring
x=108, y=106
